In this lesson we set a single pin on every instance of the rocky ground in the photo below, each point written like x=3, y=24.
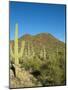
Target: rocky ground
x=23, y=79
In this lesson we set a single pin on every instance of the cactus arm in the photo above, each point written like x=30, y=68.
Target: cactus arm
x=22, y=49
x=44, y=53
x=11, y=52
x=33, y=53
x=29, y=54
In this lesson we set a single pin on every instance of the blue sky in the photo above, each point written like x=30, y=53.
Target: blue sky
x=34, y=18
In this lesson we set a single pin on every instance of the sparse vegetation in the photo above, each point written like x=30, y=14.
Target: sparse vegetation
x=43, y=62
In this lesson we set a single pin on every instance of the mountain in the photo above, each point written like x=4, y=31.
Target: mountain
x=43, y=39
x=46, y=40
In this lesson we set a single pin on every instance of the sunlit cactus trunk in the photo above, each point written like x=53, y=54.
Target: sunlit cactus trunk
x=43, y=53
x=29, y=52
x=17, y=55
x=33, y=52
x=16, y=46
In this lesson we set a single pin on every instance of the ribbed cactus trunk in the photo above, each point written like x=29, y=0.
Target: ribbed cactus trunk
x=28, y=51
x=16, y=55
x=16, y=50
x=44, y=53
x=16, y=46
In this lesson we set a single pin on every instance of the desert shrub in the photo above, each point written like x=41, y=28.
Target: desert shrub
x=51, y=72
x=33, y=64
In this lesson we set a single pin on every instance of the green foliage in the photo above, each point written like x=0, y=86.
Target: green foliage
x=33, y=64
x=48, y=60
x=51, y=72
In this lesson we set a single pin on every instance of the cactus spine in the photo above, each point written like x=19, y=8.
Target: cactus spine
x=16, y=55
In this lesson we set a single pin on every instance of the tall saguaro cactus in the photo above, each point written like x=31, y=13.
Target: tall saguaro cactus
x=16, y=55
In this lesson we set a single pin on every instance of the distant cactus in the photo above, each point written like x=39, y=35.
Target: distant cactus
x=43, y=53
x=16, y=55
x=29, y=52
x=32, y=51
x=26, y=53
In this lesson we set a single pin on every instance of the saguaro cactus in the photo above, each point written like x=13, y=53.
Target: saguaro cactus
x=43, y=53
x=16, y=55
x=31, y=52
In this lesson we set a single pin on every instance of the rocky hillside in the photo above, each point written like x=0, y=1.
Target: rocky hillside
x=43, y=60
